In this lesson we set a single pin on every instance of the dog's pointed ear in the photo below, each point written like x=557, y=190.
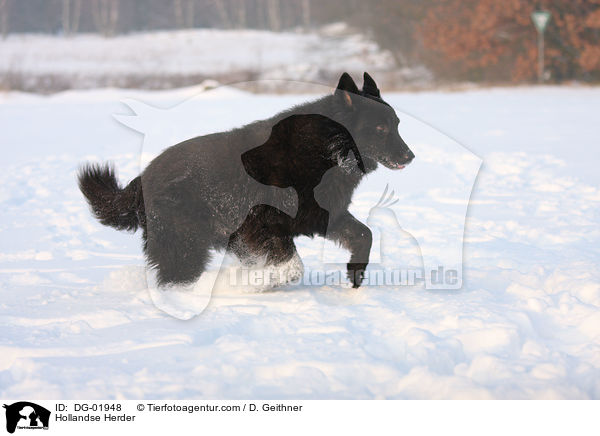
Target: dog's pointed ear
x=346, y=86
x=369, y=86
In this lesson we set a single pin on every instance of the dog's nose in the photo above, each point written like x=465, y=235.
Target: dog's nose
x=409, y=156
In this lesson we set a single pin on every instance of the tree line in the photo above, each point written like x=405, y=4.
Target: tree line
x=111, y=17
x=478, y=40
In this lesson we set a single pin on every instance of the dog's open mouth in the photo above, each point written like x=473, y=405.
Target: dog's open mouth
x=394, y=165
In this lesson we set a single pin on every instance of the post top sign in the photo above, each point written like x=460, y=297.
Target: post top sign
x=540, y=20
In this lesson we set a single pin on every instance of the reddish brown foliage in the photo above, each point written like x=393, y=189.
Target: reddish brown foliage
x=492, y=40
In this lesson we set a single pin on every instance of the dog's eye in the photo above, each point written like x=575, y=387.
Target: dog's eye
x=382, y=128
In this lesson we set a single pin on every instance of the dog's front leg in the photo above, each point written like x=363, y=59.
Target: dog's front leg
x=355, y=237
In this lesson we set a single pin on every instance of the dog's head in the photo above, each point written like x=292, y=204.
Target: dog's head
x=372, y=122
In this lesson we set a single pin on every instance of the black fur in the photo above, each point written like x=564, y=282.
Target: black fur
x=121, y=208
x=254, y=189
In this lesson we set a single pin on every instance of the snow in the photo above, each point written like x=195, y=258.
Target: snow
x=79, y=322
x=159, y=59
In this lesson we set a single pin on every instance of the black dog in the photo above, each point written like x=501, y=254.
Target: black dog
x=254, y=189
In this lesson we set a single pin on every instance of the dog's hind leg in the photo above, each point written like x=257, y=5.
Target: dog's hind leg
x=263, y=248
x=282, y=262
x=177, y=246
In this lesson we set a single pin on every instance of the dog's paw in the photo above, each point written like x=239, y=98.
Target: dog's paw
x=280, y=274
x=356, y=273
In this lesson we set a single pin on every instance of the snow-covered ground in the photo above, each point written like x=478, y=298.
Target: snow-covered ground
x=78, y=322
x=165, y=59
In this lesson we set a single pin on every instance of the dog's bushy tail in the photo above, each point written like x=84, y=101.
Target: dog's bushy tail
x=121, y=208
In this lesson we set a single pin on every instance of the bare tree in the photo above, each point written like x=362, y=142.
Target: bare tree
x=190, y=14
x=106, y=15
x=241, y=13
x=223, y=13
x=71, y=12
x=4, y=18
x=178, y=9
x=274, y=13
x=184, y=13
x=306, y=13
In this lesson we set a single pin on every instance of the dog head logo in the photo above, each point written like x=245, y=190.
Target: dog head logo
x=26, y=415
